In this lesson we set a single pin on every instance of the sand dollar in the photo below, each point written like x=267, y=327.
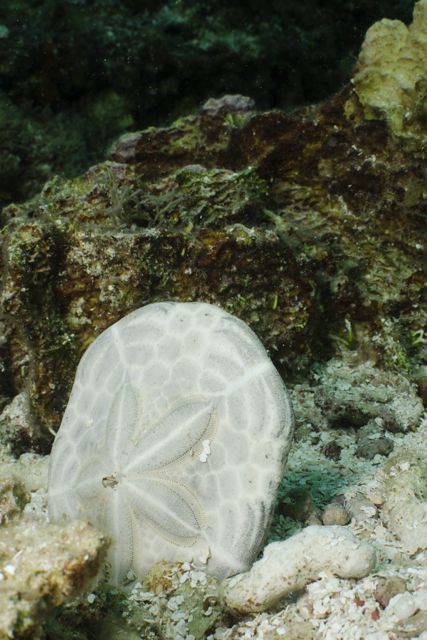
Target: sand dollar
x=174, y=440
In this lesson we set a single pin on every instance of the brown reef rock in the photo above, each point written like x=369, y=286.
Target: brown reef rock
x=307, y=226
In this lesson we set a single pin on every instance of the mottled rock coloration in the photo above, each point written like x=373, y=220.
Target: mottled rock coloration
x=289, y=566
x=41, y=565
x=351, y=396
x=390, y=77
x=13, y=498
x=174, y=440
x=112, y=253
x=404, y=480
x=293, y=223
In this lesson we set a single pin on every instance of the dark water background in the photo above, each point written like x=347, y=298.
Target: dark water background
x=74, y=74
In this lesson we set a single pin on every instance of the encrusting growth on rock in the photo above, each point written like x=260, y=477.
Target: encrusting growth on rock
x=41, y=566
x=309, y=228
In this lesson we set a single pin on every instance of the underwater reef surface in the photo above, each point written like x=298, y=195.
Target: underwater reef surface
x=77, y=73
x=310, y=228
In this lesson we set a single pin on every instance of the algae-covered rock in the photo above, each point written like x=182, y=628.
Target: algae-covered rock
x=174, y=602
x=40, y=566
x=107, y=244
x=151, y=61
x=13, y=498
x=292, y=223
x=184, y=602
x=351, y=396
x=391, y=74
x=29, y=470
x=349, y=393
x=17, y=428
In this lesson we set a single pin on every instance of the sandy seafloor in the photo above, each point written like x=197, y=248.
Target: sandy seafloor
x=332, y=608
x=384, y=499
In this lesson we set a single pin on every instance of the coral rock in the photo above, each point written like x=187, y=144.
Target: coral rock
x=40, y=566
x=391, y=65
x=289, y=566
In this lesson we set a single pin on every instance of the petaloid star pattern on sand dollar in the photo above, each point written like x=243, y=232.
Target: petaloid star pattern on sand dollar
x=173, y=441
x=145, y=481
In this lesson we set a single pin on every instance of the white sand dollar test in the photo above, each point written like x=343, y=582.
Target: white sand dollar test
x=174, y=440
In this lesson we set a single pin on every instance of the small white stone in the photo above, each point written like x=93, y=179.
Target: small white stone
x=10, y=569
x=402, y=606
x=420, y=598
x=91, y=598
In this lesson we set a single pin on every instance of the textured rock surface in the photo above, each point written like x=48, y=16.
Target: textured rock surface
x=391, y=73
x=40, y=566
x=351, y=396
x=287, y=567
x=294, y=224
x=13, y=498
x=174, y=601
x=174, y=440
x=16, y=425
x=189, y=245
x=404, y=479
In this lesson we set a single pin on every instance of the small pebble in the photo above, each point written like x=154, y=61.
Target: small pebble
x=332, y=450
x=421, y=599
x=360, y=508
x=416, y=624
x=377, y=499
x=335, y=514
x=297, y=505
x=369, y=449
x=402, y=606
x=372, y=441
x=377, y=635
x=389, y=588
